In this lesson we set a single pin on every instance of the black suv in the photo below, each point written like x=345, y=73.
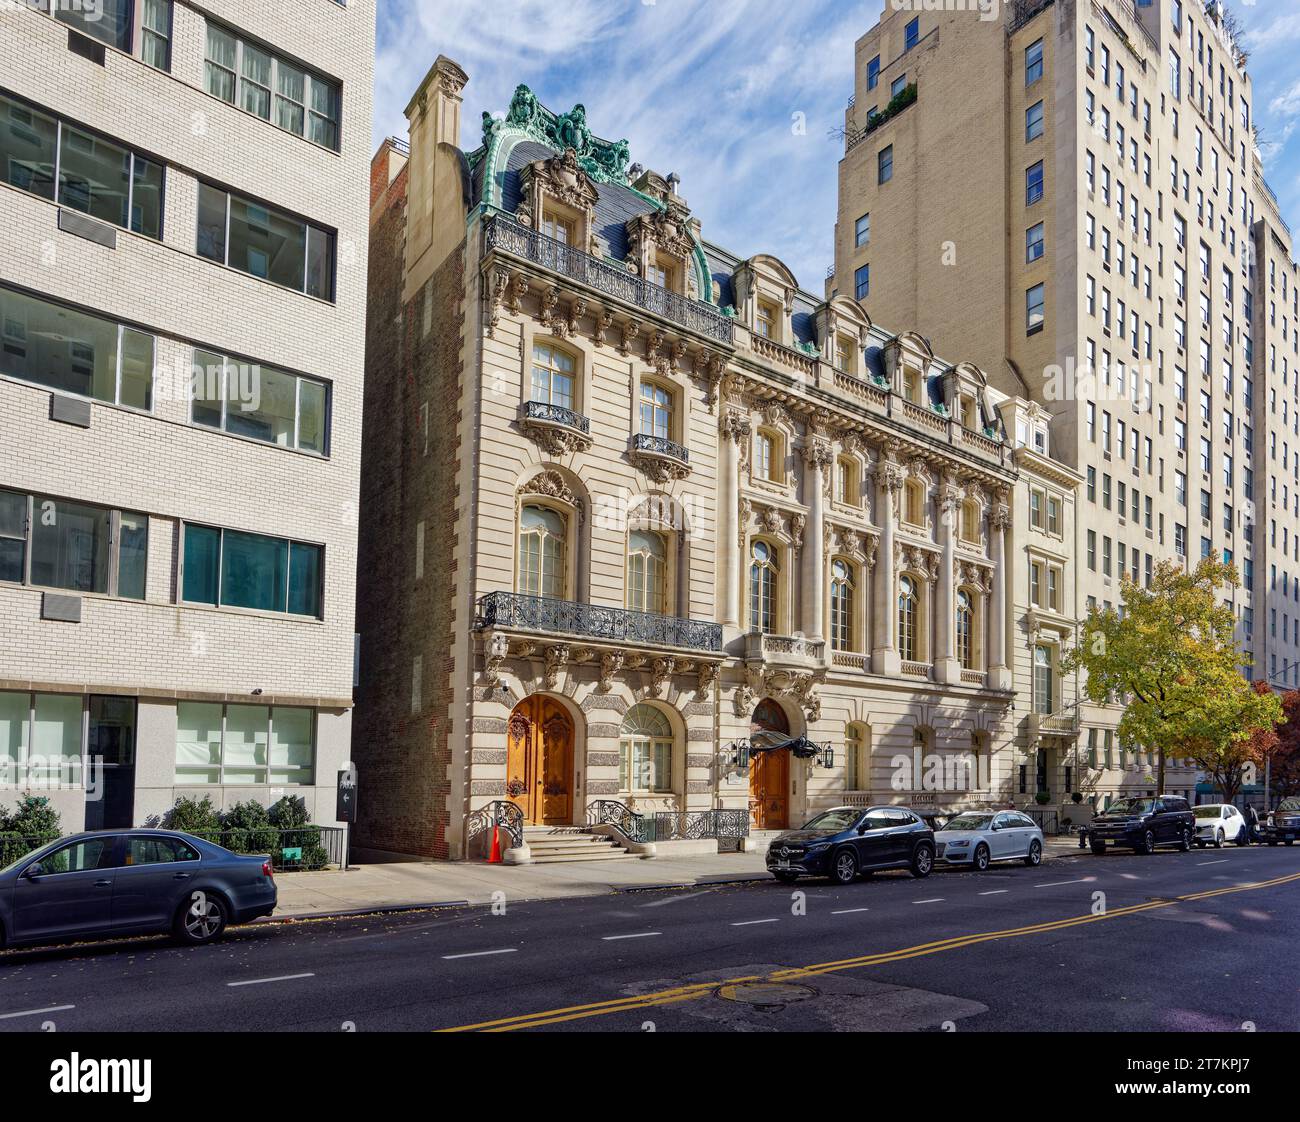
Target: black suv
x=846, y=841
x=1141, y=824
x=1283, y=824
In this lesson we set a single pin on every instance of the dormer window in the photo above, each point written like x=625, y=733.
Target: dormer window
x=966, y=410
x=662, y=273
x=912, y=386
x=766, y=323
x=557, y=226
x=844, y=356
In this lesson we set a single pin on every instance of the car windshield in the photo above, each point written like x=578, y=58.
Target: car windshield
x=835, y=820
x=1207, y=812
x=1131, y=806
x=1289, y=804
x=969, y=822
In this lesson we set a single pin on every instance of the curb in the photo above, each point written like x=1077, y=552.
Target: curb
x=630, y=888
x=351, y=913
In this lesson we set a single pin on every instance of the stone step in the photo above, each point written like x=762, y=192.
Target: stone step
x=549, y=858
x=576, y=848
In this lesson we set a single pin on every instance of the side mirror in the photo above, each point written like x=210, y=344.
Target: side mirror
x=33, y=871
x=862, y=829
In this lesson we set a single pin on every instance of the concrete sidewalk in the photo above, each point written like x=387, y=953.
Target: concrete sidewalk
x=408, y=885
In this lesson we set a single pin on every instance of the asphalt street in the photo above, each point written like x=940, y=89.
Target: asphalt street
x=1175, y=941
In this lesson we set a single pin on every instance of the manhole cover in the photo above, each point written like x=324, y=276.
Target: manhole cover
x=769, y=994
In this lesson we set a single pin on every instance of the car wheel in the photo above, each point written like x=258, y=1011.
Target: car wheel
x=1185, y=842
x=1098, y=848
x=1035, y=854
x=844, y=867
x=981, y=859
x=1218, y=838
x=1146, y=844
x=922, y=860
x=1289, y=841
x=1272, y=843
x=1200, y=845
x=201, y=919
x=786, y=878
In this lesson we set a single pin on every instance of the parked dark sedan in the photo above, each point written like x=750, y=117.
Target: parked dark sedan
x=1142, y=824
x=1283, y=825
x=846, y=841
x=131, y=882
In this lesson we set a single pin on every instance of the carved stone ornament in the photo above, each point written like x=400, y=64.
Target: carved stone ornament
x=556, y=657
x=551, y=484
x=658, y=467
x=497, y=651
x=735, y=426
x=661, y=673
x=631, y=330
x=707, y=677
x=611, y=662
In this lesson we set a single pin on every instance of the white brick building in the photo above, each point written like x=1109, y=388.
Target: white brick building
x=181, y=186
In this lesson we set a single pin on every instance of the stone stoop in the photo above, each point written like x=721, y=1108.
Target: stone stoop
x=551, y=845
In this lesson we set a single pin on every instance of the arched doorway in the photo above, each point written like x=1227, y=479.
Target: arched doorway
x=539, y=761
x=769, y=772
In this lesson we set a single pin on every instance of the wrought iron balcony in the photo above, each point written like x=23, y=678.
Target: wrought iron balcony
x=660, y=446
x=505, y=235
x=513, y=611
x=556, y=415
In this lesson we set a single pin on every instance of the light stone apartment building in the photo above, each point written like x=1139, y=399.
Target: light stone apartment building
x=1070, y=194
x=183, y=222
x=632, y=502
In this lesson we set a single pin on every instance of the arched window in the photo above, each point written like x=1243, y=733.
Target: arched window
x=542, y=534
x=842, y=605
x=553, y=376
x=764, y=570
x=908, y=613
x=965, y=630
x=647, y=572
x=857, y=757
x=656, y=411
x=645, y=762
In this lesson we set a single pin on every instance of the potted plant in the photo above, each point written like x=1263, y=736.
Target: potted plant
x=1043, y=798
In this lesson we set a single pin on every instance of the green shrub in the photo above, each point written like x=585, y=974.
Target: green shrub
x=33, y=817
x=194, y=816
x=248, y=829
x=290, y=813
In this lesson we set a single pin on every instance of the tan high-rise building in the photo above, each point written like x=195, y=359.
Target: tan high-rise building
x=182, y=299
x=1069, y=193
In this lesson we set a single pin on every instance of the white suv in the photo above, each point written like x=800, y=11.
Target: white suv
x=1217, y=823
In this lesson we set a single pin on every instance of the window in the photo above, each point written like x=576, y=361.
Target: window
x=1092, y=550
x=1034, y=121
x=109, y=21
x=645, y=752
x=268, y=86
x=1033, y=62
x=244, y=744
x=912, y=33
x=1034, y=304
x=769, y=456
x=41, y=736
x=259, y=402
x=857, y=757
x=156, y=34
x=542, y=553
x=51, y=543
x=64, y=163
x=965, y=630
x=885, y=164
x=75, y=352
x=897, y=86
x=862, y=230
x=846, y=481
x=914, y=502
x=647, y=572
x=1034, y=183
x=842, y=606
x=1034, y=243
x=1044, y=686
x=764, y=569
x=862, y=282
x=768, y=317
x=908, y=611
x=656, y=411
x=265, y=242
x=873, y=73
x=232, y=569
x=970, y=522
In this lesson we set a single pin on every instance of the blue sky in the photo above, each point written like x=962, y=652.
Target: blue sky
x=736, y=96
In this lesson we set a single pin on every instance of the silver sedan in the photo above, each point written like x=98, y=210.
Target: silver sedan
x=978, y=838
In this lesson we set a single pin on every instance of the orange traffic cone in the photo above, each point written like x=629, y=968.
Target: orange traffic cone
x=494, y=858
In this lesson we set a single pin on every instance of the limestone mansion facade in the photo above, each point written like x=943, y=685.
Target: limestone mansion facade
x=630, y=500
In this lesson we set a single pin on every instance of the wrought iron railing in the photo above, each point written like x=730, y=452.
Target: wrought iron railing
x=483, y=821
x=592, y=621
x=668, y=825
x=611, y=812
x=1022, y=11
x=556, y=414
x=660, y=446
x=503, y=233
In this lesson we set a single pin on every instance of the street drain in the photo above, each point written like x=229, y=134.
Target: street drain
x=766, y=995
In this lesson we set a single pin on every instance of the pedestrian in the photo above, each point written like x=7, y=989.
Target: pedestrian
x=1249, y=826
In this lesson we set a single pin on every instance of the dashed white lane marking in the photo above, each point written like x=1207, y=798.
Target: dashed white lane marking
x=1058, y=883
x=1221, y=861
x=34, y=1012
x=263, y=981
x=751, y=922
x=995, y=892
x=636, y=935
x=932, y=900
x=848, y=911
x=480, y=954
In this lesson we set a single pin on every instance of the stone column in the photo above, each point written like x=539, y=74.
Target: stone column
x=999, y=526
x=735, y=430
x=817, y=458
x=947, y=668
x=884, y=655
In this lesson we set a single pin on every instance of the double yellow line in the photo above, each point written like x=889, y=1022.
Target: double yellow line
x=698, y=990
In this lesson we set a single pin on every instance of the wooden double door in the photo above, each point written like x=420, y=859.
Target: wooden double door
x=539, y=762
x=769, y=772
